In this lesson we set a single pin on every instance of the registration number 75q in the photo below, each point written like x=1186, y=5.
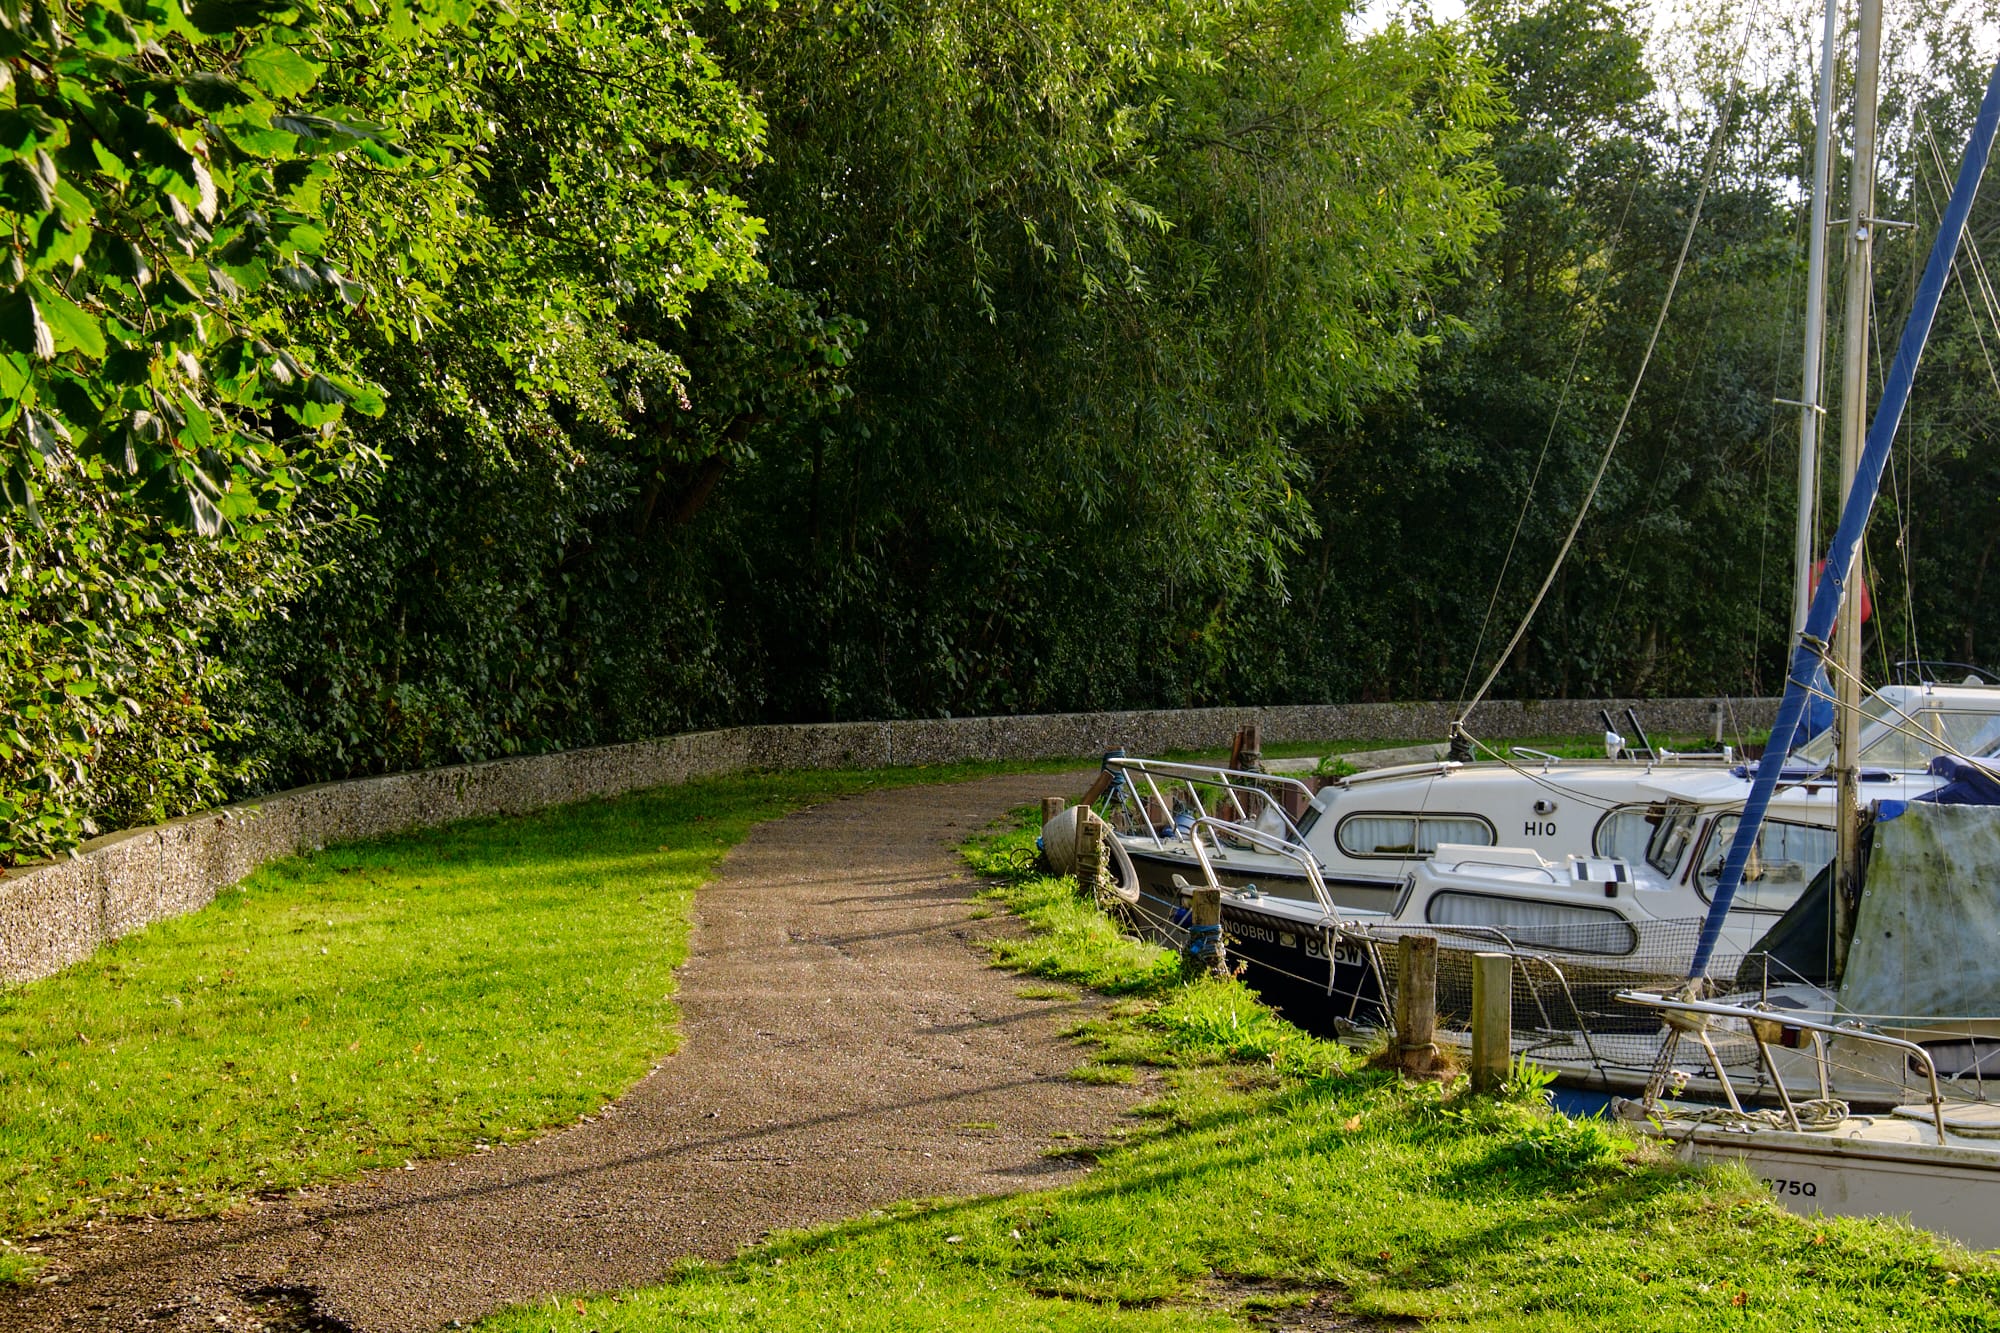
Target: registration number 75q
x=1804, y=1188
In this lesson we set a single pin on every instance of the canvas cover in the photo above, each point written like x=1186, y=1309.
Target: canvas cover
x=1965, y=783
x=1799, y=947
x=1927, y=935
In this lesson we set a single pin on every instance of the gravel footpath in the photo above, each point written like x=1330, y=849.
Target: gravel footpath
x=845, y=1046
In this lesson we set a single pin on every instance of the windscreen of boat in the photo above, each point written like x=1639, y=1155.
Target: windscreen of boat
x=1675, y=830
x=1874, y=711
x=1891, y=738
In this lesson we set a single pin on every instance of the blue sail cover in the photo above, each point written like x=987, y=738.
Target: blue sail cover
x=1964, y=783
x=1819, y=707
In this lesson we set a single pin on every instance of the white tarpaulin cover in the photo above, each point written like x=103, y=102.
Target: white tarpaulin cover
x=1927, y=937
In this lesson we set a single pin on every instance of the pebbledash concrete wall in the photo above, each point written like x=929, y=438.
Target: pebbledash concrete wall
x=53, y=914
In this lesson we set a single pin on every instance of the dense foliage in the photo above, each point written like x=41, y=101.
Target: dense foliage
x=429, y=381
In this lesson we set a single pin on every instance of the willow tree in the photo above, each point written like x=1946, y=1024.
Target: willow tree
x=1111, y=257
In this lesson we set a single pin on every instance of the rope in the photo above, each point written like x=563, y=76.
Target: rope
x=1568, y=793
x=1820, y=1115
x=1709, y=169
x=1535, y=477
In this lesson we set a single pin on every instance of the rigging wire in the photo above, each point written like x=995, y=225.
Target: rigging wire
x=1974, y=260
x=1977, y=264
x=1709, y=171
x=1669, y=432
x=1583, y=304
x=1902, y=496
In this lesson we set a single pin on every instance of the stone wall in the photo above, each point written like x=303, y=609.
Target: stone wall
x=53, y=914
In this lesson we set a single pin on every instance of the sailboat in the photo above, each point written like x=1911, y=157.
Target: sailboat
x=1911, y=954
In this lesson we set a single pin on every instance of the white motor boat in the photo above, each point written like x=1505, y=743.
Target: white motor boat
x=1608, y=881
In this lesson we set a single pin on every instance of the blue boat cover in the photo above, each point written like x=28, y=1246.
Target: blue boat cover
x=1964, y=783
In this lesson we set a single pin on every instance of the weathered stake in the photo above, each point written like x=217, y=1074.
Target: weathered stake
x=1416, y=1002
x=1492, y=1020
x=1090, y=865
x=1204, y=947
x=1052, y=806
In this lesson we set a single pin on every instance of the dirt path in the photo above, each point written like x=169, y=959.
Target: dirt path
x=845, y=1047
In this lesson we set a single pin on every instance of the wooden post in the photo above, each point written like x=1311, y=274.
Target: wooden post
x=1051, y=807
x=1204, y=947
x=1492, y=1020
x=1090, y=854
x=1416, y=1003
x=1253, y=748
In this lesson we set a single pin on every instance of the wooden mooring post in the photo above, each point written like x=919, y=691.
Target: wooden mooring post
x=1090, y=854
x=1204, y=951
x=1416, y=1003
x=1246, y=752
x=1052, y=806
x=1492, y=1020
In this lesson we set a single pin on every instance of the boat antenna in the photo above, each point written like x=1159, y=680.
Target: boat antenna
x=1812, y=640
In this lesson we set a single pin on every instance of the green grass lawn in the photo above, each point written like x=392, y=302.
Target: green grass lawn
x=1281, y=1181
x=367, y=1005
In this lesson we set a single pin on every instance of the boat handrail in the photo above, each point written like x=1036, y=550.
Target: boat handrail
x=1189, y=774
x=1269, y=842
x=1431, y=767
x=1765, y=1024
x=1488, y=863
x=1213, y=773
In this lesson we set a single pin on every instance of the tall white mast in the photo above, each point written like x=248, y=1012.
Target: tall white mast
x=1853, y=426
x=1811, y=408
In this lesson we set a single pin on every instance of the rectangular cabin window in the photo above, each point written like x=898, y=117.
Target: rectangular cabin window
x=1409, y=835
x=1782, y=863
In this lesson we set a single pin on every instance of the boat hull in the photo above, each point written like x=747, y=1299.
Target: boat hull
x=1953, y=1191
x=1324, y=985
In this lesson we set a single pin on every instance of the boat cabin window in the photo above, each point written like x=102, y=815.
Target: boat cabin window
x=1782, y=863
x=1878, y=716
x=1388, y=834
x=1674, y=828
x=1974, y=735
x=1626, y=832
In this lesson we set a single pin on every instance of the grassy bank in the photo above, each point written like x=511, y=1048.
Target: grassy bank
x=370, y=1004
x=1280, y=1182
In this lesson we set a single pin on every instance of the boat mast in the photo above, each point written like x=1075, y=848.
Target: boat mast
x=1843, y=550
x=1853, y=424
x=1811, y=409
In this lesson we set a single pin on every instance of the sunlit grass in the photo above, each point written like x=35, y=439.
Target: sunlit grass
x=1277, y=1173
x=368, y=1005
